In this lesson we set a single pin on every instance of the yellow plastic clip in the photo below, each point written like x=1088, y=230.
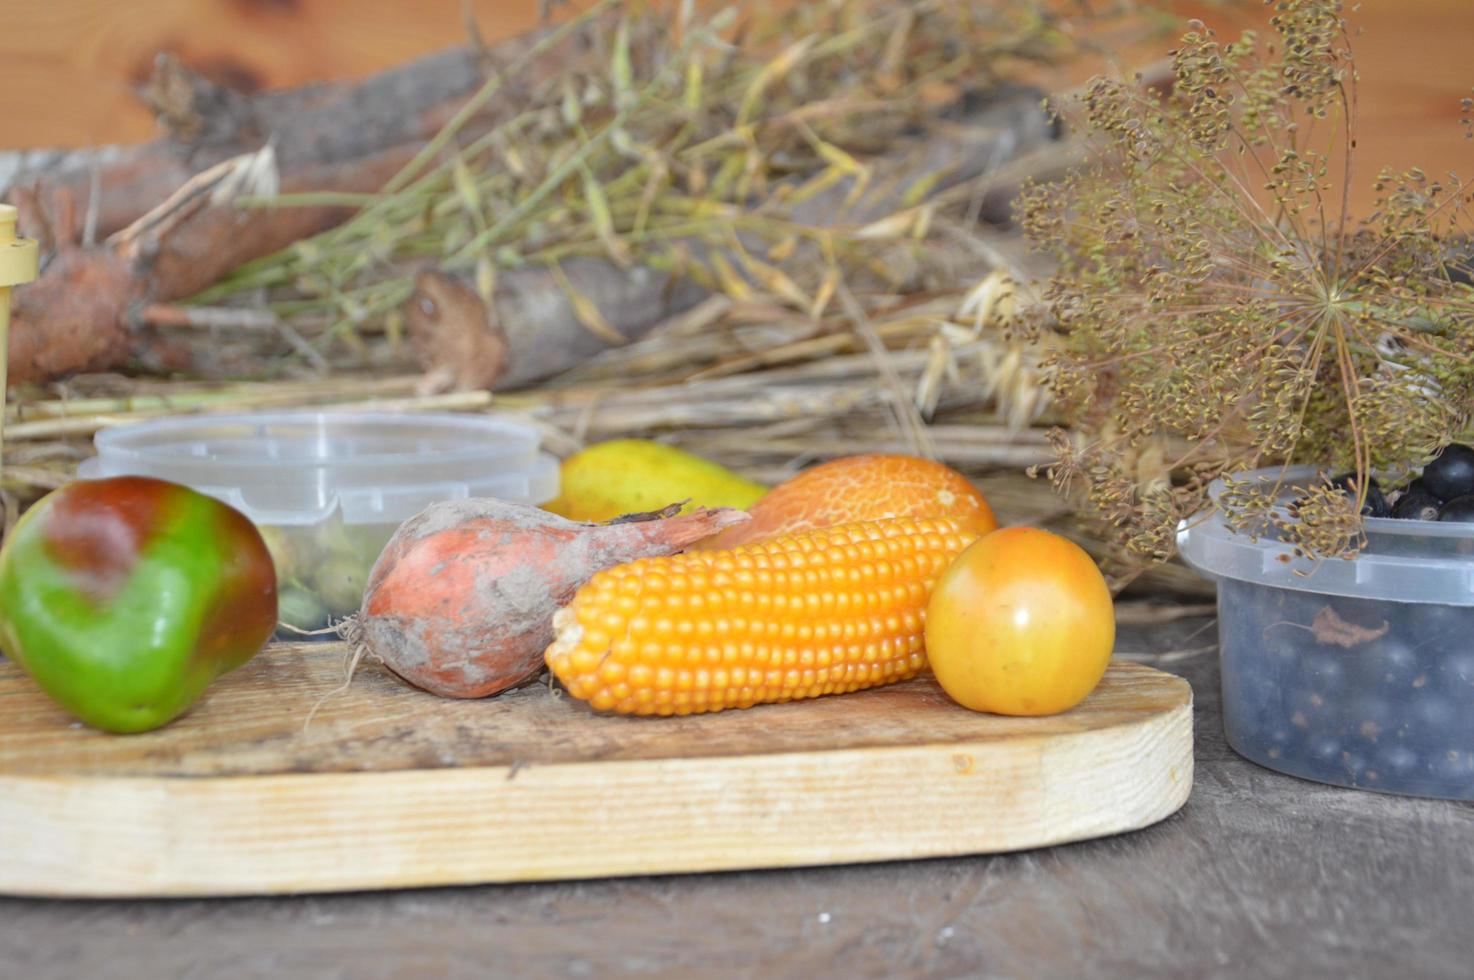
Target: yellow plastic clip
x=19, y=264
x=18, y=256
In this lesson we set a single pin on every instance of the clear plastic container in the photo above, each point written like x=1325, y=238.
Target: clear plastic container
x=328, y=489
x=1351, y=672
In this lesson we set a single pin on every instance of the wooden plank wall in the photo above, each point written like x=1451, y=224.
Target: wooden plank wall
x=67, y=67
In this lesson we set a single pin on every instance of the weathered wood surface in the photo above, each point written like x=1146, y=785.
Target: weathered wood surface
x=392, y=787
x=1258, y=876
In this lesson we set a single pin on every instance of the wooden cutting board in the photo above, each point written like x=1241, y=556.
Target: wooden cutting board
x=390, y=787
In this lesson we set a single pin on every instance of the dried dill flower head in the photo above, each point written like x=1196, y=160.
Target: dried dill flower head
x=1216, y=309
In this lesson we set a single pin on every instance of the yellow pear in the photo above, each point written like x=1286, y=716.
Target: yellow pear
x=628, y=476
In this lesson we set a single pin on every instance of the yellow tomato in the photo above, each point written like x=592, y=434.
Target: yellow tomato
x=1021, y=624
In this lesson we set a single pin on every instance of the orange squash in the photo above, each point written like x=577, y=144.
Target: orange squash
x=860, y=488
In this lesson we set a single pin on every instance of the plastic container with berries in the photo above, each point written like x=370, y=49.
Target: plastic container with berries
x=1355, y=672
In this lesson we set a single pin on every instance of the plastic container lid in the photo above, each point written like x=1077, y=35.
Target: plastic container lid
x=299, y=467
x=1402, y=561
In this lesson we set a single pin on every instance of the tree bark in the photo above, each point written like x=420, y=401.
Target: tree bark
x=206, y=124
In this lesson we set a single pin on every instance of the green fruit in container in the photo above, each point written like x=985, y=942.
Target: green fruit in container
x=366, y=541
x=285, y=550
x=124, y=598
x=339, y=583
x=629, y=476
x=300, y=609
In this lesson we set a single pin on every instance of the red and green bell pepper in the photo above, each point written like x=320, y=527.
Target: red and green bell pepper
x=124, y=598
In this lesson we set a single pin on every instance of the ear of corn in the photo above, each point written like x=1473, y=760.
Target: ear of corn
x=807, y=614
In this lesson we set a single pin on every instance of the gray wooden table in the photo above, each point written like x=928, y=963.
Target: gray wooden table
x=1260, y=875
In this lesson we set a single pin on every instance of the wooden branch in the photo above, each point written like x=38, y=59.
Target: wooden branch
x=170, y=244
x=207, y=124
x=531, y=329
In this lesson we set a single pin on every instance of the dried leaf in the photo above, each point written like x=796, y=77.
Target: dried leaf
x=784, y=249
x=921, y=188
x=771, y=72
x=465, y=186
x=603, y=219
x=571, y=108
x=394, y=329
x=587, y=311
x=754, y=182
x=624, y=144
x=1330, y=629
x=514, y=161
x=929, y=386
x=842, y=162
x=894, y=226
x=938, y=93
x=696, y=179
x=731, y=283
x=659, y=179
x=775, y=280
x=485, y=279
x=922, y=227
x=723, y=184
x=817, y=184
x=892, y=63
x=691, y=98
x=825, y=293
x=621, y=70
x=836, y=157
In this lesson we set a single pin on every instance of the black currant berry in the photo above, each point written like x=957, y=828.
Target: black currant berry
x=1278, y=741
x=1355, y=765
x=1416, y=505
x=1455, y=767
x=1396, y=760
x=1322, y=673
x=1371, y=719
x=1459, y=510
x=1447, y=627
x=1451, y=473
x=1390, y=663
x=1256, y=701
x=1326, y=749
x=1418, y=486
x=1456, y=675
x=1435, y=717
x=1375, y=504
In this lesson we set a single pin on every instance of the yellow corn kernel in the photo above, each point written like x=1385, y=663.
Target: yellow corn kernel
x=812, y=613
